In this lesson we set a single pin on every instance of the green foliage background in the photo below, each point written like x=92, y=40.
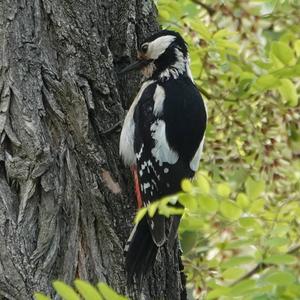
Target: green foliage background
x=240, y=230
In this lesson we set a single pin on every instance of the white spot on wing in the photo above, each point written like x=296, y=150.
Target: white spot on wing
x=126, y=149
x=139, y=155
x=166, y=170
x=162, y=151
x=147, y=185
x=194, y=163
x=159, y=98
x=152, y=224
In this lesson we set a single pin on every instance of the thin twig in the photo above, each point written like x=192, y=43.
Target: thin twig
x=262, y=266
x=111, y=129
x=209, y=9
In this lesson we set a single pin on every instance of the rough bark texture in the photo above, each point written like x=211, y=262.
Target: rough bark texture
x=66, y=201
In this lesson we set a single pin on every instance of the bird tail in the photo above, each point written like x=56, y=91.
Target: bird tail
x=140, y=253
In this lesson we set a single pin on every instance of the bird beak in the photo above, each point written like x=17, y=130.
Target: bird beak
x=139, y=64
x=134, y=66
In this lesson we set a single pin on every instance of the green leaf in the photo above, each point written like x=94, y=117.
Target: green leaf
x=199, y=27
x=65, y=291
x=266, y=82
x=188, y=201
x=248, y=222
x=237, y=261
x=242, y=287
x=276, y=242
x=223, y=33
x=40, y=296
x=168, y=210
x=233, y=273
x=188, y=241
x=86, y=290
x=217, y=293
x=280, y=278
x=223, y=189
x=152, y=208
x=242, y=200
x=203, y=184
x=189, y=223
x=297, y=47
x=230, y=210
x=254, y=188
x=288, y=92
x=108, y=293
x=281, y=259
x=283, y=52
x=140, y=215
x=208, y=203
x=186, y=185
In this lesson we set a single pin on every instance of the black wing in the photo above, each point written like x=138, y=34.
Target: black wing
x=181, y=124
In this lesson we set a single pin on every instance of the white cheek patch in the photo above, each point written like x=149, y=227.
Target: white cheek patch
x=162, y=151
x=158, y=46
x=126, y=148
x=159, y=98
x=194, y=163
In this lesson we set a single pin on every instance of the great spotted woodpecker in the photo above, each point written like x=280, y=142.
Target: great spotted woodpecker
x=161, y=139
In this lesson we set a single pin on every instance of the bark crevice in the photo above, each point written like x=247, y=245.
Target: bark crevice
x=66, y=200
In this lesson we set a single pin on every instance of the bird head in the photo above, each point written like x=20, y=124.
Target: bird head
x=164, y=53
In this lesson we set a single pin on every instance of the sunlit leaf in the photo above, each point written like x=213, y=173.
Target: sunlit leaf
x=242, y=200
x=65, y=291
x=288, y=92
x=87, y=291
x=280, y=278
x=203, y=184
x=281, y=259
x=108, y=293
x=284, y=53
x=233, y=273
x=223, y=189
x=237, y=261
x=230, y=210
x=208, y=203
x=265, y=82
x=140, y=214
x=254, y=188
x=40, y=296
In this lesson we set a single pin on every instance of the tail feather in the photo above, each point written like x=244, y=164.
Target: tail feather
x=140, y=253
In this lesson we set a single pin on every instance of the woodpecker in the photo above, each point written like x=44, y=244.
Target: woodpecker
x=161, y=139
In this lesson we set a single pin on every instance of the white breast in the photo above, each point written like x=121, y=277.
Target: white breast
x=126, y=148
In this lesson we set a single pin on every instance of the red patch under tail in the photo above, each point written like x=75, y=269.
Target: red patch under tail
x=137, y=186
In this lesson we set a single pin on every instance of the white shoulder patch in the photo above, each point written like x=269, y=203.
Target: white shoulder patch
x=159, y=98
x=126, y=147
x=194, y=163
x=162, y=151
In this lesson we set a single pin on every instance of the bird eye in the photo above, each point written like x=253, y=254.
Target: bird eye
x=144, y=48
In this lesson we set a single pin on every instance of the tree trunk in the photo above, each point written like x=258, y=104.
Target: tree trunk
x=66, y=200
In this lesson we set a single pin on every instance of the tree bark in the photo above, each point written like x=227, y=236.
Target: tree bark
x=66, y=200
